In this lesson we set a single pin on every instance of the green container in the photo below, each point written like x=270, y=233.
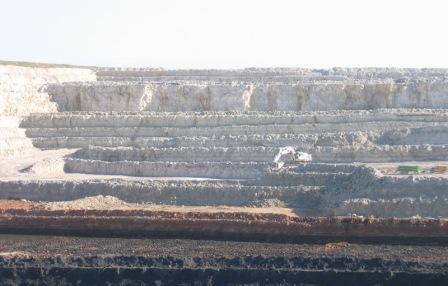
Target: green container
x=410, y=168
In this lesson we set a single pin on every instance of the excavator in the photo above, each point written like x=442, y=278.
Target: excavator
x=300, y=157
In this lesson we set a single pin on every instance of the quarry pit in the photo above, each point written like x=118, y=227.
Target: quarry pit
x=165, y=176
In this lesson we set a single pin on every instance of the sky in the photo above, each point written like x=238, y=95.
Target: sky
x=226, y=33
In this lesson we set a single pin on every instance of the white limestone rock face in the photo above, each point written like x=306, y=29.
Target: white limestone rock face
x=351, y=95
x=21, y=93
x=200, y=97
x=13, y=140
x=81, y=97
x=150, y=97
x=210, y=96
x=21, y=88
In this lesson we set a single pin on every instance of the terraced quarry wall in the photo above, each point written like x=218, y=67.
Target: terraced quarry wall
x=188, y=154
x=228, y=125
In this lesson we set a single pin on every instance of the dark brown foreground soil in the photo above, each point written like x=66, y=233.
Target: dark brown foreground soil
x=240, y=224
x=112, y=261
x=326, y=250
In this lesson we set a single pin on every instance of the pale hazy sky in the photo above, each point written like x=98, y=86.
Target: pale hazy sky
x=226, y=33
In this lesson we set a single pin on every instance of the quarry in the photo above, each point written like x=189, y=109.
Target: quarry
x=143, y=174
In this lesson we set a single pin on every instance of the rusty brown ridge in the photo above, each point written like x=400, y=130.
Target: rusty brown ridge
x=34, y=218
